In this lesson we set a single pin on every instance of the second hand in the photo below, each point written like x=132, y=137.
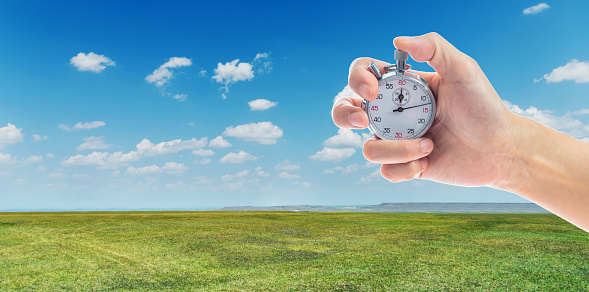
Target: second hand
x=401, y=109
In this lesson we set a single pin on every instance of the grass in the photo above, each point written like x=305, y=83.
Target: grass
x=290, y=251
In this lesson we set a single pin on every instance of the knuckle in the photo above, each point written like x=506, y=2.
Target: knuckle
x=434, y=35
x=407, y=152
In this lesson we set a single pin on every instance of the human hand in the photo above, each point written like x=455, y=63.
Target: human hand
x=472, y=134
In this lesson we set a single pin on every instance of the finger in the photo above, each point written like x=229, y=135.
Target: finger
x=396, y=151
x=428, y=76
x=432, y=79
x=448, y=61
x=361, y=80
x=347, y=113
x=404, y=171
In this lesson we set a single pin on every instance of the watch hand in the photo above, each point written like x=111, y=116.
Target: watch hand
x=400, y=109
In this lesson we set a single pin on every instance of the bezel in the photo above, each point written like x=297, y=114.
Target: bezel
x=415, y=78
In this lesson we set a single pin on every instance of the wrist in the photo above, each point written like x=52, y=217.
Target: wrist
x=518, y=154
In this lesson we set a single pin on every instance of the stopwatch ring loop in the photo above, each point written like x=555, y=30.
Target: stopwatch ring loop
x=394, y=67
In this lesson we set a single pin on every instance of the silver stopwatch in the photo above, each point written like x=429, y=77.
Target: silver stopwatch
x=404, y=107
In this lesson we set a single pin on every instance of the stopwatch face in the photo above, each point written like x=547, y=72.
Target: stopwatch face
x=403, y=109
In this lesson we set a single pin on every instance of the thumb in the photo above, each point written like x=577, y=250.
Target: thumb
x=432, y=48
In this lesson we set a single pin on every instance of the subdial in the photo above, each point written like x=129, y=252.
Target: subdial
x=401, y=96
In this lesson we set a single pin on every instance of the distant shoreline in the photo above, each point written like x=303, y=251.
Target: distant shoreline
x=381, y=208
x=407, y=208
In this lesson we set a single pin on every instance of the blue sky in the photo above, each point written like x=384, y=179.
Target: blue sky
x=196, y=105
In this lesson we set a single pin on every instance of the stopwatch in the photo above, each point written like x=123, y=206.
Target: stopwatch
x=404, y=107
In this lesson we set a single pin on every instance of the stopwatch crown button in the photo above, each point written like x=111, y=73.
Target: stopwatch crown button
x=401, y=55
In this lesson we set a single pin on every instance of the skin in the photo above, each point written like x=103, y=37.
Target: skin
x=475, y=139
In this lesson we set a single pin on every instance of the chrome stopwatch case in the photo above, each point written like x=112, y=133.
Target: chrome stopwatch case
x=404, y=107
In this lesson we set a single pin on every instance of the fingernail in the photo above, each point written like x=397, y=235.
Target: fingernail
x=365, y=91
x=356, y=119
x=424, y=161
x=427, y=146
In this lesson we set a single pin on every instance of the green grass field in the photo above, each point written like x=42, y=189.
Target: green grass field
x=290, y=251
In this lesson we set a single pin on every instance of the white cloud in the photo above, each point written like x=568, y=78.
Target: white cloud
x=6, y=159
x=83, y=126
x=56, y=175
x=259, y=172
x=176, y=185
x=93, y=143
x=227, y=177
x=94, y=158
x=89, y=125
x=175, y=168
x=202, y=73
x=565, y=123
x=347, y=138
x=162, y=75
x=235, y=71
x=240, y=157
x=49, y=155
x=261, y=104
x=346, y=92
x=38, y=138
x=286, y=165
x=573, y=70
x=202, y=179
x=19, y=181
x=145, y=148
x=146, y=170
x=203, y=152
x=583, y=111
x=263, y=63
x=368, y=178
x=333, y=154
x=219, y=142
x=536, y=9
x=180, y=97
x=370, y=164
x=202, y=161
x=303, y=184
x=347, y=169
x=10, y=135
x=33, y=159
x=287, y=175
x=41, y=168
x=91, y=62
x=262, y=132
x=242, y=173
x=232, y=72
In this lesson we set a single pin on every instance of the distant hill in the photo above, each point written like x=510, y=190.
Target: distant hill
x=407, y=208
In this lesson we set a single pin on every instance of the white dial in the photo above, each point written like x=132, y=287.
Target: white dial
x=404, y=108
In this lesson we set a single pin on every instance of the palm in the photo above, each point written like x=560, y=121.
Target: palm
x=469, y=115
